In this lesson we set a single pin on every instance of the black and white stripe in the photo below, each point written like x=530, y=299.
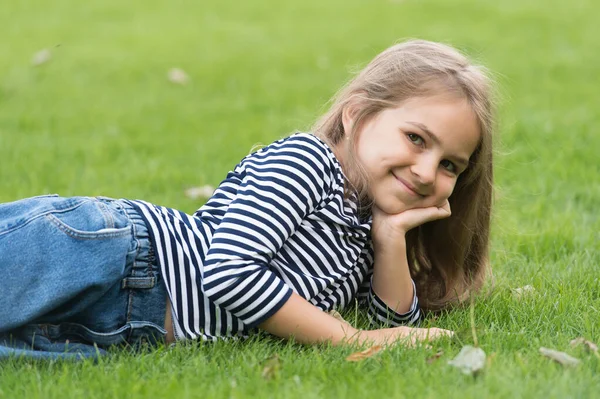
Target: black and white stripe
x=278, y=223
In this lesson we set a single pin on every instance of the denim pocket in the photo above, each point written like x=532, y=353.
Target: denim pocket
x=90, y=219
x=58, y=258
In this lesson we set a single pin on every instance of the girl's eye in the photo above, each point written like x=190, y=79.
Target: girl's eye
x=449, y=166
x=415, y=138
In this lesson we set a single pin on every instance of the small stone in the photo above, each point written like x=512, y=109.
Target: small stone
x=469, y=360
x=178, y=76
x=41, y=57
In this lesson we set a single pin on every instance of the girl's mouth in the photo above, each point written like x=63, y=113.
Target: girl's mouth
x=408, y=187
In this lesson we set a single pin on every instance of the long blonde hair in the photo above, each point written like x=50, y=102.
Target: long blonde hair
x=447, y=258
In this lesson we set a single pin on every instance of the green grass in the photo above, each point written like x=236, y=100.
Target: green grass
x=100, y=118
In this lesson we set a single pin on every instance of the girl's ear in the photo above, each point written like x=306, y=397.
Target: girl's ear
x=349, y=113
x=347, y=119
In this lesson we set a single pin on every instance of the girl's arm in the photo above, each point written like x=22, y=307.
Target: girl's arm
x=278, y=188
x=391, y=276
x=307, y=324
x=391, y=281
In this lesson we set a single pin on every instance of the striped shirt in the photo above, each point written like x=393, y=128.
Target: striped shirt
x=279, y=223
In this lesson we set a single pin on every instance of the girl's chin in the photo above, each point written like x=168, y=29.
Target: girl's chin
x=392, y=209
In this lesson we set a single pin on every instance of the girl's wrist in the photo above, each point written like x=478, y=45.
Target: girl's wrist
x=394, y=242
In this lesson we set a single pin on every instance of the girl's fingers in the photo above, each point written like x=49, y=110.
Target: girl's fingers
x=411, y=336
x=446, y=207
x=432, y=332
x=403, y=335
x=416, y=217
x=409, y=219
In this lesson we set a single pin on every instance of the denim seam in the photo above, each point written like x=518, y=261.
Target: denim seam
x=73, y=329
x=137, y=240
x=129, y=304
x=151, y=259
x=130, y=292
x=109, y=220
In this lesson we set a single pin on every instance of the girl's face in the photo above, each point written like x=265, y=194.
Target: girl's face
x=414, y=153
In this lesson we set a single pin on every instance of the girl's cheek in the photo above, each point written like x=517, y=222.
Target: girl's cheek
x=444, y=192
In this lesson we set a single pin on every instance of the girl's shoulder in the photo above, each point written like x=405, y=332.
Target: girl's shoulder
x=302, y=157
x=304, y=147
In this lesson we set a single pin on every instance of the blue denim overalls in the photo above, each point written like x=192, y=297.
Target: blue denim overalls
x=77, y=275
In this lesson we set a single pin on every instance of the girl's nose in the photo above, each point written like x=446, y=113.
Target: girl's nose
x=425, y=171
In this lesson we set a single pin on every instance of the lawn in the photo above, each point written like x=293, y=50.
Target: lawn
x=100, y=117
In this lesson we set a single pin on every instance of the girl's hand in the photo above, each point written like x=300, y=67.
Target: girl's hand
x=409, y=336
x=307, y=324
x=387, y=226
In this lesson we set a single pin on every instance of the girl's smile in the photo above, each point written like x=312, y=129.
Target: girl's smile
x=409, y=187
x=414, y=153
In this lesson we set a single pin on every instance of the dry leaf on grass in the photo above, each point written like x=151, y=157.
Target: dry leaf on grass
x=435, y=357
x=199, y=192
x=589, y=345
x=469, y=360
x=178, y=76
x=360, y=356
x=560, y=357
x=41, y=57
x=271, y=367
x=519, y=293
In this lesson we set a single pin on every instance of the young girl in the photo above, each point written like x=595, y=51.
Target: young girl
x=386, y=202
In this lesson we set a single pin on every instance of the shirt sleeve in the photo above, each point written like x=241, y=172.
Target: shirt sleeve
x=280, y=186
x=377, y=310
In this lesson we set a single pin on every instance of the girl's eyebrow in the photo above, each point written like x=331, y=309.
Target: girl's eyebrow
x=458, y=159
